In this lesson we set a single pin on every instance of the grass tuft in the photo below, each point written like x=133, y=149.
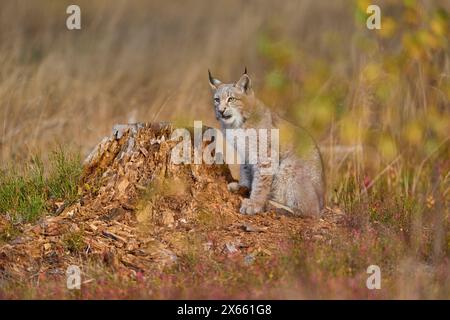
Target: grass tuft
x=25, y=192
x=65, y=174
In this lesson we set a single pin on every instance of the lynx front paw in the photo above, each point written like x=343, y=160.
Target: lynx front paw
x=233, y=187
x=250, y=207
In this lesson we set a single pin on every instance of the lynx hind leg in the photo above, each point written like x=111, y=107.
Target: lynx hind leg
x=299, y=194
x=307, y=202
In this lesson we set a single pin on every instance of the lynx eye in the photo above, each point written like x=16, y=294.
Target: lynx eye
x=216, y=100
x=231, y=99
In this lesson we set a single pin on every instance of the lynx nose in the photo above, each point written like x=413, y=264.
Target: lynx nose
x=224, y=114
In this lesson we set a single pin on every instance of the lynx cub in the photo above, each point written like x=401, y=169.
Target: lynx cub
x=298, y=181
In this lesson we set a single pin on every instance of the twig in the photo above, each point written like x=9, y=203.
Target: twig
x=378, y=176
x=419, y=171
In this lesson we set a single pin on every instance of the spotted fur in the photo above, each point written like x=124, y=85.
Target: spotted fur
x=298, y=181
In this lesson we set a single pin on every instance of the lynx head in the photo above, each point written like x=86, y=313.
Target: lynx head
x=232, y=101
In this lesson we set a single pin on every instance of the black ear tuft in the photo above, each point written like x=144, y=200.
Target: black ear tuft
x=245, y=71
x=211, y=79
x=213, y=82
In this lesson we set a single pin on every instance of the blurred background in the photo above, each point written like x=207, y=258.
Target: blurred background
x=369, y=97
x=376, y=101
x=315, y=62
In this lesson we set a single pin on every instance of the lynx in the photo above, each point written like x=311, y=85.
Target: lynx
x=298, y=182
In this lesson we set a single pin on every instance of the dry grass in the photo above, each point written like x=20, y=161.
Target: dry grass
x=377, y=102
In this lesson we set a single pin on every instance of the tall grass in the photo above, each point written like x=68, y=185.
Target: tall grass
x=23, y=195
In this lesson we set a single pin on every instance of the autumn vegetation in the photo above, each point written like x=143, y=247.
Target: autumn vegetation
x=376, y=101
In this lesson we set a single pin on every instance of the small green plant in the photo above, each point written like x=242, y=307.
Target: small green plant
x=8, y=232
x=73, y=241
x=63, y=179
x=25, y=192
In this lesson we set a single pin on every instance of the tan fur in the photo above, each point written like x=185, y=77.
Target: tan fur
x=298, y=182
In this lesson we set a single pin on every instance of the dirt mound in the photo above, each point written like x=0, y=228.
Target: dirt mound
x=138, y=211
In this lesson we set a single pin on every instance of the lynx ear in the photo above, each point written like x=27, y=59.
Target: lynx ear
x=244, y=83
x=214, y=83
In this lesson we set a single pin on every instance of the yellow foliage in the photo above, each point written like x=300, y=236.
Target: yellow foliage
x=387, y=147
x=439, y=26
x=371, y=72
x=350, y=132
x=413, y=133
x=388, y=27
